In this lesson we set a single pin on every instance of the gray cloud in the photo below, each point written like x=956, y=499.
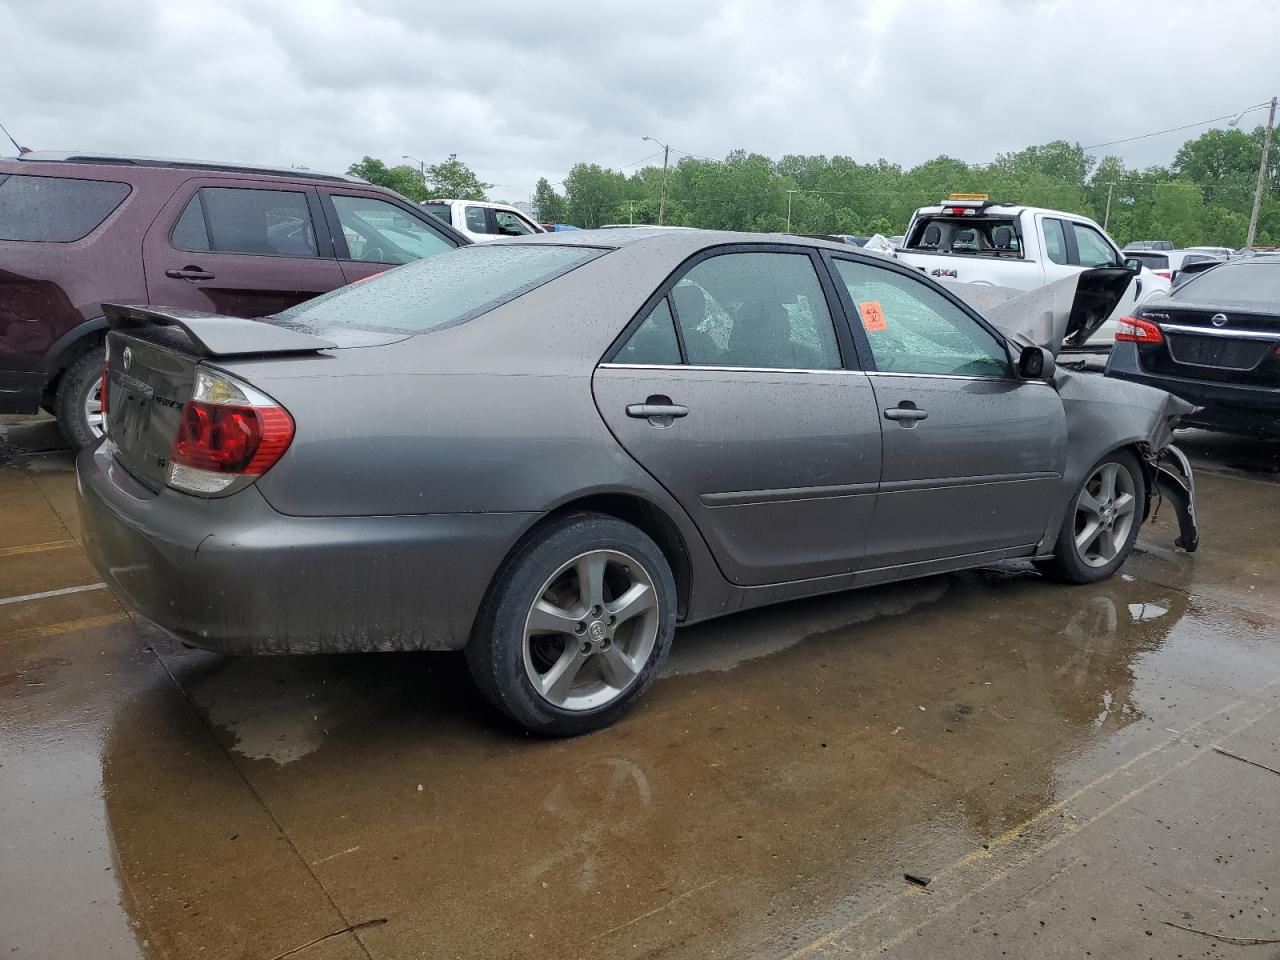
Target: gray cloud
x=522, y=90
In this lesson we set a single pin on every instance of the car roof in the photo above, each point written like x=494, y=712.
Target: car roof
x=690, y=239
x=123, y=160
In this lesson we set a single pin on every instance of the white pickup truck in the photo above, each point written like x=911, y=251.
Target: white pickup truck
x=971, y=240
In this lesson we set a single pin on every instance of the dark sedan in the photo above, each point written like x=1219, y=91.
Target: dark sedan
x=551, y=451
x=1215, y=341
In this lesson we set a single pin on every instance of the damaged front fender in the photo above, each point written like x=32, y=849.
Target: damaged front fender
x=1175, y=482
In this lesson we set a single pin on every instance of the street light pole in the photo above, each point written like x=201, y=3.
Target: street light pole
x=1262, y=177
x=662, y=201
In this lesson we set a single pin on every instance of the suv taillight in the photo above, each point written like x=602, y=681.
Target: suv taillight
x=1137, y=330
x=228, y=431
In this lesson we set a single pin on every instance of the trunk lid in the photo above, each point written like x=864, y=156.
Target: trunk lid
x=152, y=356
x=1235, y=344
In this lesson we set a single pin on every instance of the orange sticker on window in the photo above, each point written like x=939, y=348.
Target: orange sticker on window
x=872, y=316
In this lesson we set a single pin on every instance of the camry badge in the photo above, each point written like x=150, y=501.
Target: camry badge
x=1218, y=319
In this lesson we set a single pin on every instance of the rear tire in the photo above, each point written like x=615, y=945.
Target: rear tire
x=575, y=626
x=1102, y=521
x=75, y=398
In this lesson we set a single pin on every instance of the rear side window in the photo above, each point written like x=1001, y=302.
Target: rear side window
x=756, y=310
x=654, y=341
x=442, y=290
x=1055, y=241
x=267, y=223
x=55, y=209
x=477, y=222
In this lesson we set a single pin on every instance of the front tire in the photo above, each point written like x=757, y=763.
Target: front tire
x=77, y=405
x=1102, y=521
x=576, y=625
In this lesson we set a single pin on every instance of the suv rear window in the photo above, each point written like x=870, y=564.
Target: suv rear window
x=442, y=290
x=1152, y=261
x=55, y=209
x=440, y=210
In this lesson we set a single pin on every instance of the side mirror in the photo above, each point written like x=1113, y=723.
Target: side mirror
x=1133, y=264
x=1036, y=363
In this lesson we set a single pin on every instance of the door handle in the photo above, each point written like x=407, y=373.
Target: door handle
x=189, y=273
x=658, y=410
x=906, y=414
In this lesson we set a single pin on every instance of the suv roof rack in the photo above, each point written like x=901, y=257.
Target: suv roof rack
x=56, y=156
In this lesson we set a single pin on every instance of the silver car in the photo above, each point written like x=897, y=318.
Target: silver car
x=551, y=451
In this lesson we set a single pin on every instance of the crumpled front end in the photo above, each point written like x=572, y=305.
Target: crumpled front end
x=1102, y=413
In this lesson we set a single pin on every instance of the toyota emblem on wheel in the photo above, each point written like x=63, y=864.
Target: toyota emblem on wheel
x=1218, y=319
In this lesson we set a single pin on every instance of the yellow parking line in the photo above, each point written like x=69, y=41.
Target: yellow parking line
x=36, y=548
x=67, y=626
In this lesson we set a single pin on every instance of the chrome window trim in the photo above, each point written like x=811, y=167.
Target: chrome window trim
x=1221, y=332
x=709, y=367
x=840, y=370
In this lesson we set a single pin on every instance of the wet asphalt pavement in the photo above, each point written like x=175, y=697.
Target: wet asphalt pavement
x=1047, y=755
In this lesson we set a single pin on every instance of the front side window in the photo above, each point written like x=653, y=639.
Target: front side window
x=756, y=310
x=914, y=329
x=509, y=225
x=380, y=232
x=55, y=209
x=1094, y=250
x=1055, y=241
x=654, y=340
x=267, y=223
x=439, y=291
x=477, y=220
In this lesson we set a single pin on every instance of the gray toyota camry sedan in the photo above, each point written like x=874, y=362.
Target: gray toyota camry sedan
x=550, y=452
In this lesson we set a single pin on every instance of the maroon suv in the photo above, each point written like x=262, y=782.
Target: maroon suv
x=80, y=230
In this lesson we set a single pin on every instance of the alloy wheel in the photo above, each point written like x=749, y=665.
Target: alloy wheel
x=1105, y=514
x=93, y=409
x=591, y=630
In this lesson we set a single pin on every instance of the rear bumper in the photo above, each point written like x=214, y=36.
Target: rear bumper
x=1234, y=408
x=236, y=576
x=20, y=391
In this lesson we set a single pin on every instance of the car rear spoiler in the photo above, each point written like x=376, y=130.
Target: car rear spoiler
x=214, y=335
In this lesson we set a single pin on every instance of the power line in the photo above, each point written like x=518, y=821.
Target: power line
x=1160, y=133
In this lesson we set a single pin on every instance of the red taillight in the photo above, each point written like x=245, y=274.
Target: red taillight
x=105, y=360
x=1167, y=274
x=229, y=433
x=221, y=438
x=1137, y=330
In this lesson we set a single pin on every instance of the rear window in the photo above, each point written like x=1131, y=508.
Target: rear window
x=439, y=210
x=55, y=209
x=442, y=290
x=1248, y=284
x=1152, y=261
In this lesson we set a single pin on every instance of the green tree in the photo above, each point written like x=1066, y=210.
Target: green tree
x=404, y=180
x=549, y=205
x=592, y=194
x=454, y=180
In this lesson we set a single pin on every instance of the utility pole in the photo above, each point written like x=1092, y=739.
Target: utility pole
x=1262, y=177
x=1106, y=217
x=789, y=193
x=662, y=201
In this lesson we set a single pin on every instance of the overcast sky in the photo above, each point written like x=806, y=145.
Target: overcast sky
x=525, y=88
